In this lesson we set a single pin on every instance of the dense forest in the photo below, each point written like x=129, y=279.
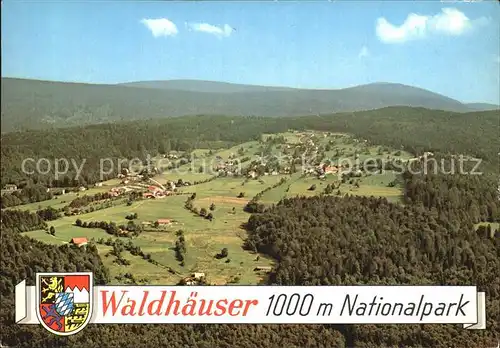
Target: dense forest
x=32, y=104
x=316, y=241
x=27, y=194
x=413, y=129
x=361, y=240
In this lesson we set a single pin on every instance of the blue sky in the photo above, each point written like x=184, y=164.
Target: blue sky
x=448, y=47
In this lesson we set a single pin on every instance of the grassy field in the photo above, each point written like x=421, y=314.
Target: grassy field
x=62, y=200
x=231, y=187
x=208, y=162
x=175, y=174
x=66, y=231
x=56, y=202
x=204, y=238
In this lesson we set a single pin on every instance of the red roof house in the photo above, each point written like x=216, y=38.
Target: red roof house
x=79, y=241
x=330, y=169
x=164, y=221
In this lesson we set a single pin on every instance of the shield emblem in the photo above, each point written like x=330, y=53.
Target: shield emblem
x=64, y=301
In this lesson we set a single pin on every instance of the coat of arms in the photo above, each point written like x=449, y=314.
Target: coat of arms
x=64, y=301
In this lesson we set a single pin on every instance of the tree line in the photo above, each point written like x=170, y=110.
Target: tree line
x=82, y=201
x=131, y=229
x=28, y=194
x=21, y=221
x=412, y=129
x=253, y=206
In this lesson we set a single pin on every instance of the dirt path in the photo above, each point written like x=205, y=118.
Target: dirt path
x=224, y=199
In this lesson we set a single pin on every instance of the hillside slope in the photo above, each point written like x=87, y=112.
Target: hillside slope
x=31, y=104
x=482, y=106
x=412, y=129
x=203, y=86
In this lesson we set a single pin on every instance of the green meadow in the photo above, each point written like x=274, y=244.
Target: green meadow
x=204, y=239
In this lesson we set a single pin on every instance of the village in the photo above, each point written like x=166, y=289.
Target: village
x=312, y=153
x=217, y=184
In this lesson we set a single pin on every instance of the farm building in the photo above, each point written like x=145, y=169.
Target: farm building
x=188, y=281
x=80, y=241
x=330, y=169
x=163, y=222
x=10, y=187
x=263, y=268
x=153, y=188
x=194, y=279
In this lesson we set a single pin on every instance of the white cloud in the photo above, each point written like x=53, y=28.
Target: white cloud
x=364, y=52
x=160, y=27
x=449, y=21
x=224, y=31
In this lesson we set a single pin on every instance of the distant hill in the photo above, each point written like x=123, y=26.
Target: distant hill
x=482, y=106
x=33, y=104
x=203, y=86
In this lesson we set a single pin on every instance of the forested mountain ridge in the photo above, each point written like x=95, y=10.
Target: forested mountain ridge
x=414, y=129
x=431, y=239
x=33, y=104
x=203, y=86
x=360, y=240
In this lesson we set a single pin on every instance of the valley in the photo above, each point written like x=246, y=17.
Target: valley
x=279, y=166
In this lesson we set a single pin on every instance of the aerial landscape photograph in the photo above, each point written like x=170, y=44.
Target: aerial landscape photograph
x=209, y=143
